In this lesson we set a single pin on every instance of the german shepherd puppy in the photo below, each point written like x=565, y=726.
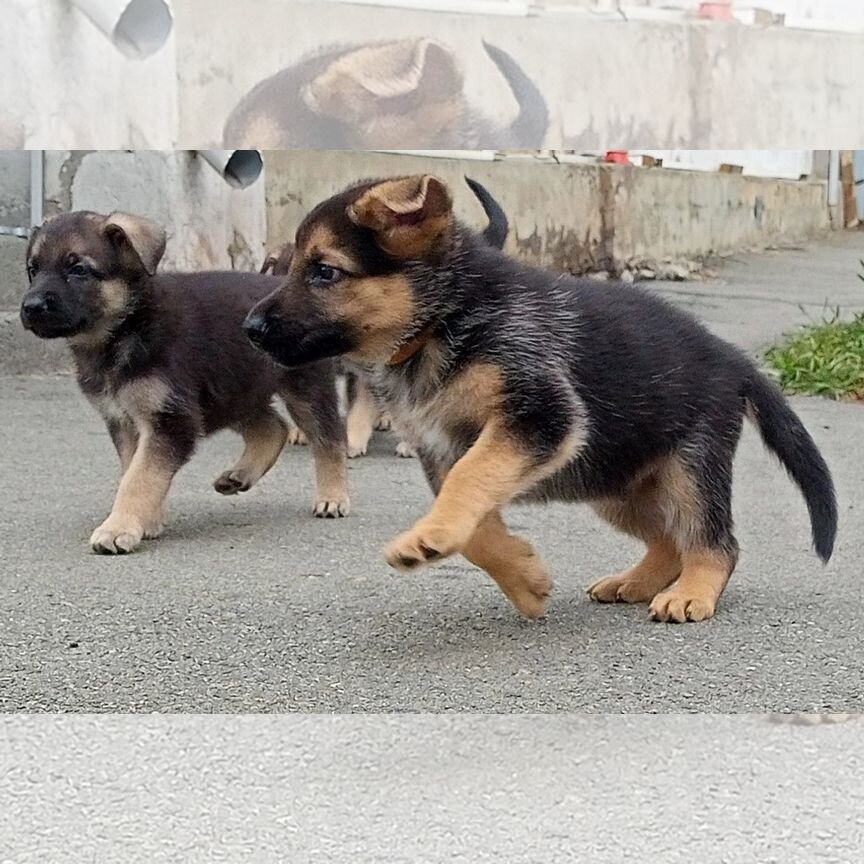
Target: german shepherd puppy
x=164, y=361
x=363, y=414
x=515, y=384
x=355, y=97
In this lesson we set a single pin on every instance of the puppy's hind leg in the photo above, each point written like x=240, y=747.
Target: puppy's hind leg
x=310, y=395
x=296, y=436
x=362, y=416
x=659, y=568
x=384, y=423
x=640, y=514
x=264, y=438
x=707, y=545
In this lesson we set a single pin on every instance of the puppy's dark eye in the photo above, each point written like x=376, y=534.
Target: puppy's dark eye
x=324, y=274
x=79, y=271
x=31, y=271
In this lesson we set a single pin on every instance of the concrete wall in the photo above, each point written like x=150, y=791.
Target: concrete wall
x=209, y=224
x=576, y=217
x=788, y=164
x=676, y=83
x=14, y=188
x=661, y=214
x=840, y=11
x=67, y=85
x=570, y=239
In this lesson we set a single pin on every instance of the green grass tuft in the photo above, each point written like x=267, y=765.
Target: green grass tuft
x=824, y=359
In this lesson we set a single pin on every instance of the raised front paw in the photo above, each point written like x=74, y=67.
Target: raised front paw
x=119, y=535
x=425, y=543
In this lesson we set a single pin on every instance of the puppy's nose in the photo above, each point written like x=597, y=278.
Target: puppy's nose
x=35, y=305
x=255, y=327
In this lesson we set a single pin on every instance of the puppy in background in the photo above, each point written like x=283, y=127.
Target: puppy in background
x=164, y=360
x=364, y=415
x=515, y=384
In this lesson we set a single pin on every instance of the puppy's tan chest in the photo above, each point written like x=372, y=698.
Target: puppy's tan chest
x=134, y=402
x=437, y=420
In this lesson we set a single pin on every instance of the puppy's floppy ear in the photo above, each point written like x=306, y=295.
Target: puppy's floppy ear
x=33, y=243
x=269, y=264
x=139, y=242
x=409, y=215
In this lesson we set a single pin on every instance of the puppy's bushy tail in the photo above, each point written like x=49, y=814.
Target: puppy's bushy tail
x=784, y=434
x=498, y=229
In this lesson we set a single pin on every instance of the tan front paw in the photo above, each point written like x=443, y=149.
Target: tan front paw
x=424, y=544
x=332, y=508
x=119, y=535
x=682, y=606
x=357, y=449
x=531, y=597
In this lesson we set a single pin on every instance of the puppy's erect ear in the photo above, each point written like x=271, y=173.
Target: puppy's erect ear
x=139, y=242
x=269, y=264
x=409, y=216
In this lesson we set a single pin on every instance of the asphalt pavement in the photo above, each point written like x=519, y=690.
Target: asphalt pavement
x=251, y=605
x=454, y=789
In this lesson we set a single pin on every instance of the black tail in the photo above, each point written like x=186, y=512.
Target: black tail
x=785, y=435
x=498, y=228
x=529, y=128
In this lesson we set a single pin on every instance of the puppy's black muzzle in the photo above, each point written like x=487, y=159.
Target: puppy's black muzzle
x=43, y=314
x=291, y=344
x=256, y=329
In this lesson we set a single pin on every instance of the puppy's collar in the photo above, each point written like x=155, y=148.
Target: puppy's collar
x=410, y=349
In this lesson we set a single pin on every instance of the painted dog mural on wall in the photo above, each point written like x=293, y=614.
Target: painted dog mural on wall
x=394, y=94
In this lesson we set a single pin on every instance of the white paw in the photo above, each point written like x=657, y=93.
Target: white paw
x=405, y=451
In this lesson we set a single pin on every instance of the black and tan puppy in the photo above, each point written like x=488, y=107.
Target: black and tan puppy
x=164, y=360
x=517, y=385
x=363, y=414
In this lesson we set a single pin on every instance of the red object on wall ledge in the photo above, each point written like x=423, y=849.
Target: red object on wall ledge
x=720, y=10
x=617, y=157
